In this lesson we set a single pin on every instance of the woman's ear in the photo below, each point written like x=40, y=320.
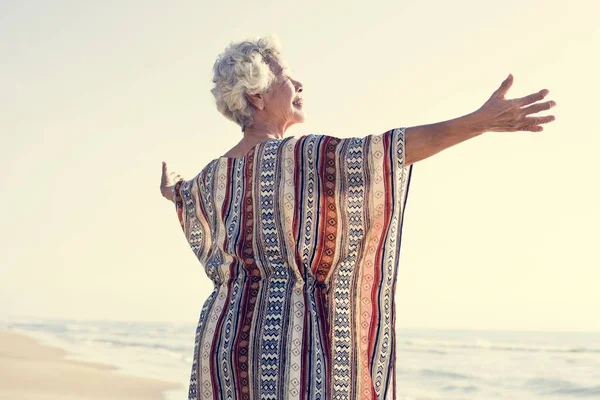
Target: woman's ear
x=256, y=100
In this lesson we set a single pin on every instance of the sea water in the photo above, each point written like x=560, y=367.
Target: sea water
x=431, y=364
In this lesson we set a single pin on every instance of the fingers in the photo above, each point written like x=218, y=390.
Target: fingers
x=166, y=174
x=538, y=107
x=532, y=128
x=163, y=177
x=503, y=89
x=532, y=124
x=531, y=121
x=532, y=98
x=167, y=181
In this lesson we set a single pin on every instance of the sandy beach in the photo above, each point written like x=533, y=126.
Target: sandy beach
x=31, y=371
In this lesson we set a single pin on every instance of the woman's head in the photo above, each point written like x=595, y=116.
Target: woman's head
x=252, y=85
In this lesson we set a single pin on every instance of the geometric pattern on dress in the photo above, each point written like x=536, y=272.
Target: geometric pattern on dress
x=301, y=239
x=276, y=280
x=342, y=344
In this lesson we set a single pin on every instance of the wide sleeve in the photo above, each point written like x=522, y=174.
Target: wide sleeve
x=377, y=160
x=189, y=206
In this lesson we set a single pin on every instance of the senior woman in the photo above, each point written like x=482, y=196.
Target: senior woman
x=301, y=237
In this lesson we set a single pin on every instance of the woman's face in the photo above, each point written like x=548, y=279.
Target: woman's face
x=283, y=102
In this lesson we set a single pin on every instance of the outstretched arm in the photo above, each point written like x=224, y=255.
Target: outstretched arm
x=496, y=115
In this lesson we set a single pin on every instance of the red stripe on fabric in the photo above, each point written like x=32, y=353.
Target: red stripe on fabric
x=387, y=172
x=226, y=207
x=250, y=289
x=179, y=204
x=298, y=195
x=298, y=180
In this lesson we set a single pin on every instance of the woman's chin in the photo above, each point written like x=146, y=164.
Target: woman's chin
x=299, y=116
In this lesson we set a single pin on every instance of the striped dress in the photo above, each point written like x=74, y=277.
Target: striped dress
x=301, y=238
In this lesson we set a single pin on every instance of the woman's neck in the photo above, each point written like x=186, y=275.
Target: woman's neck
x=259, y=132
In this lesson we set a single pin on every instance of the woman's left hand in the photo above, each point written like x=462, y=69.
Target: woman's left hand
x=509, y=115
x=168, y=181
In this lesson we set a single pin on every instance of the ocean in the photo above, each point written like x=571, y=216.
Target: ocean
x=432, y=364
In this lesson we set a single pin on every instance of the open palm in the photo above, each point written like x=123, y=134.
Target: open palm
x=510, y=115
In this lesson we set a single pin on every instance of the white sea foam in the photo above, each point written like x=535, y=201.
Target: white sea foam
x=431, y=364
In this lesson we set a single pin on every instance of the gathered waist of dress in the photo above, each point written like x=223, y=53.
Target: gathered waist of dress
x=288, y=279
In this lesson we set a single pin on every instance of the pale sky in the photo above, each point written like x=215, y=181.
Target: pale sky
x=500, y=231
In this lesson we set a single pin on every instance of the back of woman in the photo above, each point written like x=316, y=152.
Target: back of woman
x=301, y=238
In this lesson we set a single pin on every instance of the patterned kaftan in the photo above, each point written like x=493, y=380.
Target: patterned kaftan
x=301, y=238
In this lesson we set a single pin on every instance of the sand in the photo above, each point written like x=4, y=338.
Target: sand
x=31, y=371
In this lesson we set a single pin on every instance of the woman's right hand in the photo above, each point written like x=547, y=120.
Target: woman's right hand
x=499, y=114
x=168, y=181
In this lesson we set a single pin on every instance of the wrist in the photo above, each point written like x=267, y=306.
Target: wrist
x=476, y=123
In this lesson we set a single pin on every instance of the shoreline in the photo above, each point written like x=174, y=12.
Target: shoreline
x=30, y=370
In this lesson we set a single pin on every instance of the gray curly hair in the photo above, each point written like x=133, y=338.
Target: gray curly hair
x=242, y=68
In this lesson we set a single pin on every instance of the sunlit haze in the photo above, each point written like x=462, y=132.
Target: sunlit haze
x=500, y=231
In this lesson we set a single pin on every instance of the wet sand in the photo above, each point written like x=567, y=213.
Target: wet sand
x=31, y=371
